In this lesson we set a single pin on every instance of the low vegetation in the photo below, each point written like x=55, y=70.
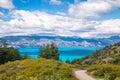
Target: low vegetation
x=109, y=54
x=36, y=69
x=8, y=54
x=49, y=51
x=105, y=71
x=33, y=69
x=104, y=63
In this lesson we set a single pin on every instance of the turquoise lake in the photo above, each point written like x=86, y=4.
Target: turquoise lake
x=70, y=53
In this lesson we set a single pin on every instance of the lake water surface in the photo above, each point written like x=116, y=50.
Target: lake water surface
x=70, y=53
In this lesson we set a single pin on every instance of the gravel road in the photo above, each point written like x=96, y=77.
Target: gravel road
x=82, y=75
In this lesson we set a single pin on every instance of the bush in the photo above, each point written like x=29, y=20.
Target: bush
x=118, y=78
x=110, y=76
x=106, y=71
x=9, y=54
x=49, y=52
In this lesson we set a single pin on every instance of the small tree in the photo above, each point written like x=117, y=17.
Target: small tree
x=12, y=54
x=2, y=56
x=68, y=61
x=25, y=56
x=50, y=51
x=8, y=54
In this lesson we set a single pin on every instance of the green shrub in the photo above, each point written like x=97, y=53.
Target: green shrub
x=110, y=76
x=118, y=78
x=106, y=71
x=9, y=54
x=49, y=52
x=36, y=69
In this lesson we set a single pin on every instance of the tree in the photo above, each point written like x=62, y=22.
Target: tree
x=2, y=55
x=50, y=51
x=25, y=56
x=68, y=61
x=8, y=54
x=12, y=54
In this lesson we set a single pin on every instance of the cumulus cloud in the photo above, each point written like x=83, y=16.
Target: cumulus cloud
x=6, y=4
x=74, y=23
x=2, y=14
x=56, y=2
x=106, y=28
x=93, y=8
x=41, y=23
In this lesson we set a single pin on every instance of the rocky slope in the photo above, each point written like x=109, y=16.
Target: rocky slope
x=60, y=41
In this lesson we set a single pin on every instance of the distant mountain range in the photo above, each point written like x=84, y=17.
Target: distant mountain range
x=37, y=41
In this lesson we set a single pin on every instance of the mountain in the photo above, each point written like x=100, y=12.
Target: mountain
x=60, y=41
x=109, y=54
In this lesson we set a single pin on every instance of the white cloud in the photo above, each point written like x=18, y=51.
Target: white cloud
x=93, y=8
x=109, y=27
x=42, y=22
x=62, y=24
x=56, y=2
x=36, y=22
x=6, y=4
x=61, y=13
x=2, y=14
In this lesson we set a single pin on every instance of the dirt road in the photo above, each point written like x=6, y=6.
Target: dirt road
x=82, y=75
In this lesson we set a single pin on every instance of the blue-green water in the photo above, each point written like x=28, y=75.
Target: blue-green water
x=70, y=53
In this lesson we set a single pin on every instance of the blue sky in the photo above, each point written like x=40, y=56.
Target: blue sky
x=82, y=18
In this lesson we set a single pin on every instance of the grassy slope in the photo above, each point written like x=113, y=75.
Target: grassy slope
x=104, y=63
x=105, y=71
x=36, y=69
x=109, y=54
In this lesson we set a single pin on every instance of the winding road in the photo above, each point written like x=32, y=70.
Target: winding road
x=82, y=75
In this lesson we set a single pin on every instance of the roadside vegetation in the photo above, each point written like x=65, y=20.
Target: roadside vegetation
x=104, y=63
x=105, y=71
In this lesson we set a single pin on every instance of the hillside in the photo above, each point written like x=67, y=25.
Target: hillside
x=105, y=71
x=109, y=54
x=36, y=69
